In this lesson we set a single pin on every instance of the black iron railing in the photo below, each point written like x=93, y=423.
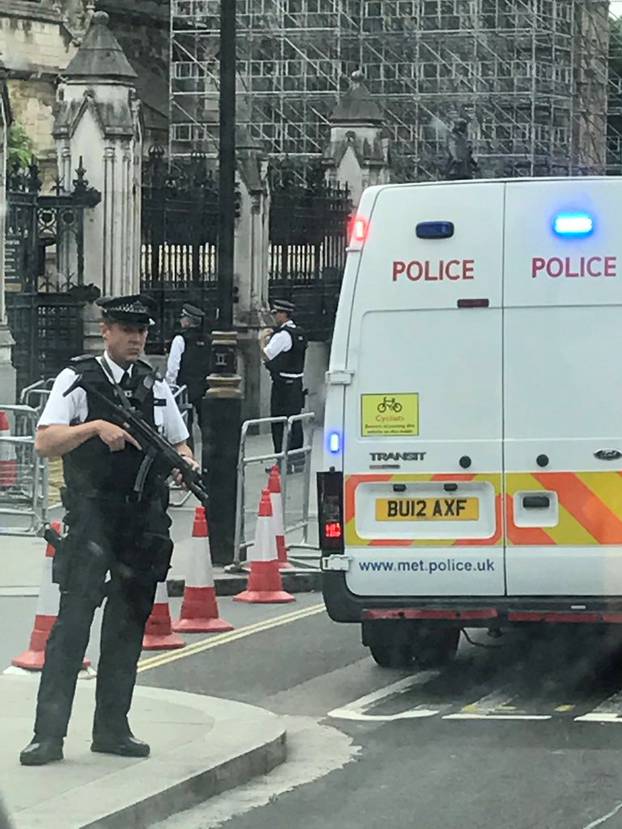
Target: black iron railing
x=308, y=240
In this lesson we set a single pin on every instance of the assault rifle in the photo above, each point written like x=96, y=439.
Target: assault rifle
x=155, y=447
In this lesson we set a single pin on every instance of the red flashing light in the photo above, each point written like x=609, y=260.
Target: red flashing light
x=332, y=529
x=358, y=230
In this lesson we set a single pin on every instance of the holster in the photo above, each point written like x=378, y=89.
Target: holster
x=60, y=562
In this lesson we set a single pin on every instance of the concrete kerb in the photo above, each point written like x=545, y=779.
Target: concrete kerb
x=221, y=745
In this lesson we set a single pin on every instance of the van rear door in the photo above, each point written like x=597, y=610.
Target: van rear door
x=563, y=389
x=423, y=413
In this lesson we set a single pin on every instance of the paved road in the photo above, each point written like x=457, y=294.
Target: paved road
x=517, y=734
x=523, y=733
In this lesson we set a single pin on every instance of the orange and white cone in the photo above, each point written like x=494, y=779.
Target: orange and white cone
x=159, y=634
x=276, y=501
x=8, y=457
x=47, y=612
x=199, y=610
x=265, y=585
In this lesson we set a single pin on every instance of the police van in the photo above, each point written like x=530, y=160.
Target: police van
x=473, y=432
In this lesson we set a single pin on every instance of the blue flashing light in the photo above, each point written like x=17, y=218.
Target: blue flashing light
x=334, y=443
x=573, y=225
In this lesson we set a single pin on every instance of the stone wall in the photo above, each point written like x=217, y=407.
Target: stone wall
x=34, y=47
x=39, y=39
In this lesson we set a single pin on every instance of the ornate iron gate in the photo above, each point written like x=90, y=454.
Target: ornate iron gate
x=45, y=272
x=308, y=240
x=180, y=240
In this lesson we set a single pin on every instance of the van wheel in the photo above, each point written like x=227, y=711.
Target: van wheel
x=389, y=642
x=391, y=654
x=434, y=647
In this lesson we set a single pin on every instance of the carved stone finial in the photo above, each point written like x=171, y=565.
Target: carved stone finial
x=100, y=18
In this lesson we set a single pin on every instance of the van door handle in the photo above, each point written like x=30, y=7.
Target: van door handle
x=536, y=501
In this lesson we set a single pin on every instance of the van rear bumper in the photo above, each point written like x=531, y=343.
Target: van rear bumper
x=344, y=606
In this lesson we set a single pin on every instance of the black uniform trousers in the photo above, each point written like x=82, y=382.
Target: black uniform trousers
x=286, y=400
x=101, y=537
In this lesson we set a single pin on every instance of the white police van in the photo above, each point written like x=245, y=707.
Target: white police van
x=473, y=457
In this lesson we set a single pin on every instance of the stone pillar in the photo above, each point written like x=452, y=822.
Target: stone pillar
x=98, y=120
x=358, y=151
x=7, y=372
x=251, y=271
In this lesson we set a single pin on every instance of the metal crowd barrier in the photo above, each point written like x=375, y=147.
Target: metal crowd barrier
x=25, y=499
x=37, y=394
x=284, y=457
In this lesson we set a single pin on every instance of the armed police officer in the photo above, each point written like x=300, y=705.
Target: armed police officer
x=189, y=360
x=284, y=349
x=117, y=544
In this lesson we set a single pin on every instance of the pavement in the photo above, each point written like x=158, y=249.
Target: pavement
x=201, y=746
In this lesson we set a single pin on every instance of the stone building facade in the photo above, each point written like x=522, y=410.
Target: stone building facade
x=39, y=39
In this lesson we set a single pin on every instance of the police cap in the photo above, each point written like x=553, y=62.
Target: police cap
x=136, y=309
x=283, y=305
x=192, y=313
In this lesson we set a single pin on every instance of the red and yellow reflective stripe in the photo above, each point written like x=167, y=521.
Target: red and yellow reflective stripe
x=590, y=509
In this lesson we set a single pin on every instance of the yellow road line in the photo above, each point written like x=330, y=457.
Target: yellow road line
x=226, y=638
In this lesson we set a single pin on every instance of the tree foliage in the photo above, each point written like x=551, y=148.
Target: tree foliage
x=20, y=150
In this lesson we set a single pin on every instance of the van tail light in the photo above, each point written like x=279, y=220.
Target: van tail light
x=359, y=227
x=333, y=529
x=330, y=511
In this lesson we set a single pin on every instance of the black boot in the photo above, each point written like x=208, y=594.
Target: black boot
x=125, y=745
x=41, y=751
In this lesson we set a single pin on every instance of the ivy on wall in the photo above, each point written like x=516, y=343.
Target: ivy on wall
x=20, y=149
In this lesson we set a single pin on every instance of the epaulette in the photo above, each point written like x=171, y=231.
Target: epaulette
x=82, y=358
x=83, y=363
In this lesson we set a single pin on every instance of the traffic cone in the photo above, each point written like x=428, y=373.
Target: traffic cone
x=265, y=585
x=159, y=634
x=199, y=610
x=47, y=612
x=8, y=458
x=276, y=501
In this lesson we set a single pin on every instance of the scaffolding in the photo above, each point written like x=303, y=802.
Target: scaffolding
x=614, y=104
x=529, y=76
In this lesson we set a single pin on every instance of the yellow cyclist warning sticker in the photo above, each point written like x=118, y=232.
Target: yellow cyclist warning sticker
x=389, y=414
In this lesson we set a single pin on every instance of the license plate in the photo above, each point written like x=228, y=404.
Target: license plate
x=427, y=509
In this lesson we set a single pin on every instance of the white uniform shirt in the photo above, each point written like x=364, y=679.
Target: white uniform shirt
x=279, y=343
x=178, y=346
x=73, y=409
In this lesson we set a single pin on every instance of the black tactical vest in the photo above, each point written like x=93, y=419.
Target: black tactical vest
x=292, y=361
x=92, y=469
x=195, y=363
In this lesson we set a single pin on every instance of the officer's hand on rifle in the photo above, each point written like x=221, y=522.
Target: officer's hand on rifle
x=192, y=463
x=114, y=436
